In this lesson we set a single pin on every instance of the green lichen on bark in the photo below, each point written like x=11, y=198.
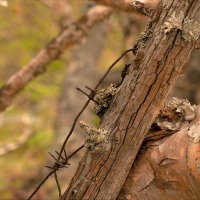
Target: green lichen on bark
x=103, y=99
x=178, y=112
x=95, y=136
x=189, y=27
x=144, y=36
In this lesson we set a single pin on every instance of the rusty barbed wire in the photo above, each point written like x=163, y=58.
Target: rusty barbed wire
x=62, y=162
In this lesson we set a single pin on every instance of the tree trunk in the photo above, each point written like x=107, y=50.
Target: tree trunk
x=138, y=101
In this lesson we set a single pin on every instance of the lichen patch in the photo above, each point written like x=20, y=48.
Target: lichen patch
x=143, y=38
x=103, y=99
x=174, y=22
x=194, y=132
x=191, y=30
x=172, y=116
x=189, y=27
x=95, y=136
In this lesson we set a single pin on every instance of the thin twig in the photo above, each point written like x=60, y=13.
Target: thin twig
x=78, y=31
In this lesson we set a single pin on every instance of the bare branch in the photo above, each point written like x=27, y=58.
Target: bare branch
x=122, y=5
x=117, y=4
x=69, y=36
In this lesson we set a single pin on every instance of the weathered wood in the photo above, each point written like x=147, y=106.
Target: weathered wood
x=135, y=106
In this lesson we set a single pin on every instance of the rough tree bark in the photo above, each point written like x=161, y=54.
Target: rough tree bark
x=168, y=164
x=117, y=4
x=138, y=101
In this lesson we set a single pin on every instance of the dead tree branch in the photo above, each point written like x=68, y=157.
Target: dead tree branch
x=161, y=54
x=120, y=5
x=117, y=4
x=73, y=34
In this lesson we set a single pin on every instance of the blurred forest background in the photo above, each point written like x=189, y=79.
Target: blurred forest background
x=41, y=115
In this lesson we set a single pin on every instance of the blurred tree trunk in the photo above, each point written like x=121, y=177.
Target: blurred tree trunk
x=132, y=26
x=150, y=78
x=187, y=86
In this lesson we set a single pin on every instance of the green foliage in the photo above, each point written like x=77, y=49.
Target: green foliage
x=40, y=139
x=38, y=91
x=26, y=26
x=96, y=120
x=13, y=129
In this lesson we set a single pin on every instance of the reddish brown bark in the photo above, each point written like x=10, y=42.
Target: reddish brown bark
x=133, y=110
x=168, y=164
x=170, y=169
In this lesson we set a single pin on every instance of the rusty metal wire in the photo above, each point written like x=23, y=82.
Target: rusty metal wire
x=62, y=161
